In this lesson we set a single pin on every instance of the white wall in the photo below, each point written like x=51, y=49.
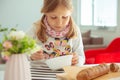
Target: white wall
x=19, y=12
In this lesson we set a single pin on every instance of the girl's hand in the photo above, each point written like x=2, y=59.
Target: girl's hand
x=75, y=59
x=38, y=55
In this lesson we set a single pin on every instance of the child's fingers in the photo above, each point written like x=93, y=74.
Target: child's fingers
x=38, y=55
x=34, y=57
x=75, y=59
x=40, y=51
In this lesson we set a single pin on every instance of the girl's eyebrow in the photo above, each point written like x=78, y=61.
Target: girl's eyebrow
x=56, y=15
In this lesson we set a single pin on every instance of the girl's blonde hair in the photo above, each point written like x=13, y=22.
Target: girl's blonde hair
x=49, y=6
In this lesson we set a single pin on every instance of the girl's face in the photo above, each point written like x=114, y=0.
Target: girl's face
x=59, y=18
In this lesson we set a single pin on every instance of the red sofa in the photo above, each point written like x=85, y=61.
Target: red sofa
x=104, y=55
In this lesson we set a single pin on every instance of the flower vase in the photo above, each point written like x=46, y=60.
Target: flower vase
x=17, y=68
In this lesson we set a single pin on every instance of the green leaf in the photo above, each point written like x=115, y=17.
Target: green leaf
x=1, y=47
x=13, y=29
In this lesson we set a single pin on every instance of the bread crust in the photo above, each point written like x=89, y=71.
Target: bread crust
x=93, y=72
x=114, y=67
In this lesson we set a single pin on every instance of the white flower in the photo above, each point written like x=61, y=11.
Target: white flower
x=17, y=35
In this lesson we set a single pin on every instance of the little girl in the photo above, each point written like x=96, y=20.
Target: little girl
x=57, y=33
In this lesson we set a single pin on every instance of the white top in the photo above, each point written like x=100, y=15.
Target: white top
x=57, y=47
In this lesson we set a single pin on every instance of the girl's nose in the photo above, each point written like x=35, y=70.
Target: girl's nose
x=59, y=22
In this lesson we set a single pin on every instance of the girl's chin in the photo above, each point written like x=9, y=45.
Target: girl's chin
x=58, y=30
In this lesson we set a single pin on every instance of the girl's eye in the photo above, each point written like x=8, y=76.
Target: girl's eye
x=65, y=17
x=53, y=17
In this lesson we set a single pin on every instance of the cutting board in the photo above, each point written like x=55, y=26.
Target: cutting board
x=71, y=73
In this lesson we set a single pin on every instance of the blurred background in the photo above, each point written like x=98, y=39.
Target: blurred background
x=99, y=16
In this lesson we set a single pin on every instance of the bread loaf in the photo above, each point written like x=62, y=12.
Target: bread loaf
x=93, y=72
x=114, y=67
